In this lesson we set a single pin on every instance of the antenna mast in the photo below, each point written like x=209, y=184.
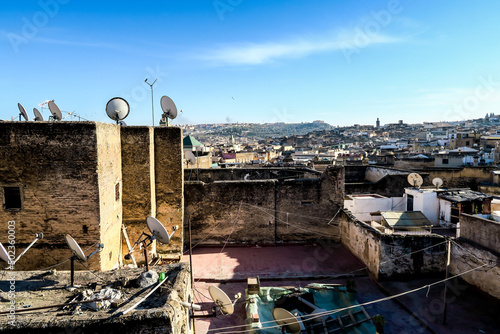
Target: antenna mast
x=152, y=103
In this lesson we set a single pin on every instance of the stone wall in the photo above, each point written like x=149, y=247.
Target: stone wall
x=56, y=166
x=481, y=231
x=466, y=256
x=466, y=177
x=248, y=174
x=265, y=211
x=393, y=256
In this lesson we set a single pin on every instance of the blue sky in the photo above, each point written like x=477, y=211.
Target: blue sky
x=343, y=62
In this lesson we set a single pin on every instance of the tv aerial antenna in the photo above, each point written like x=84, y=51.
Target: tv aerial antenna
x=117, y=109
x=158, y=232
x=152, y=103
x=415, y=180
x=22, y=112
x=78, y=254
x=169, y=109
x=55, y=111
x=437, y=182
x=38, y=115
x=9, y=256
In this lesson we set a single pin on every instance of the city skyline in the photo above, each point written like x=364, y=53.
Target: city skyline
x=254, y=62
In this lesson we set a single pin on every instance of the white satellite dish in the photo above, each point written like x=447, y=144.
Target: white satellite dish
x=159, y=231
x=4, y=256
x=117, y=109
x=437, y=182
x=55, y=111
x=38, y=115
x=78, y=254
x=168, y=107
x=75, y=248
x=222, y=301
x=415, y=180
x=22, y=112
x=190, y=157
x=287, y=321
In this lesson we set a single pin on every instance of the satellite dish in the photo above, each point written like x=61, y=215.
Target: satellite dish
x=55, y=111
x=22, y=112
x=190, y=157
x=159, y=231
x=38, y=115
x=168, y=107
x=4, y=256
x=437, y=182
x=287, y=321
x=117, y=109
x=415, y=180
x=122, y=123
x=77, y=251
x=221, y=300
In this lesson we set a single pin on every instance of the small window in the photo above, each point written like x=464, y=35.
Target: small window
x=12, y=198
x=117, y=192
x=409, y=203
x=307, y=203
x=445, y=161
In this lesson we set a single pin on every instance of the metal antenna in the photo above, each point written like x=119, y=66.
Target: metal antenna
x=152, y=103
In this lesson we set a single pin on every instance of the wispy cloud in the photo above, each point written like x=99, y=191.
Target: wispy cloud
x=265, y=52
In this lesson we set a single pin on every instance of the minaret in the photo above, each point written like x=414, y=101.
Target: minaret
x=377, y=123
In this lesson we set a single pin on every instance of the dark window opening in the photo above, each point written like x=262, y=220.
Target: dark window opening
x=409, y=203
x=117, y=192
x=85, y=229
x=12, y=198
x=445, y=161
x=307, y=203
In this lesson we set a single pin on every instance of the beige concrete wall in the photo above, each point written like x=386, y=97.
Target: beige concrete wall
x=55, y=164
x=466, y=257
x=109, y=173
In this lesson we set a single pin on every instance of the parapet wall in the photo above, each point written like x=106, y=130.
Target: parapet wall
x=481, y=231
x=393, y=256
x=264, y=211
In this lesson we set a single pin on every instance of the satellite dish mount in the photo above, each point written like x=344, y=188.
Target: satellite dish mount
x=169, y=109
x=78, y=254
x=221, y=303
x=117, y=109
x=5, y=256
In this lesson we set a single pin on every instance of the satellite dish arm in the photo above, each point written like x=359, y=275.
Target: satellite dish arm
x=37, y=236
x=100, y=247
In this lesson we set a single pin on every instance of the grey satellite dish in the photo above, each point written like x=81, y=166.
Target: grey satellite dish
x=55, y=111
x=159, y=231
x=22, y=112
x=4, y=255
x=168, y=107
x=287, y=321
x=117, y=109
x=190, y=157
x=78, y=254
x=415, y=180
x=222, y=301
x=437, y=182
x=122, y=123
x=38, y=115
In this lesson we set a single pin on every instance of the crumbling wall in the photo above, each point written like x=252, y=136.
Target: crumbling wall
x=467, y=177
x=481, y=231
x=466, y=256
x=393, y=256
x=265, y=211
x=247, y=174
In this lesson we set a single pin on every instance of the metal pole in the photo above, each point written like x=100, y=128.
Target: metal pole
x=446, y=282
x=152, y=100
x=191, y=267
x=146, y=256
x=72, y=271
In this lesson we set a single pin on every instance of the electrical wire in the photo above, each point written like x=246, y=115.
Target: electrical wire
x=321, y=314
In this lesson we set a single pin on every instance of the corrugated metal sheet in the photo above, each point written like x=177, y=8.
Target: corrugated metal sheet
x=406, y=219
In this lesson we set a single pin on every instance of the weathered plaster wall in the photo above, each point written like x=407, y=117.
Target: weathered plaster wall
x=483, y=232
x=375, y=174
x=466, y=256
x=362, y=240
x=248, y=174
x=264, y=211
x=493, y=190
x=55, y=164
x=467, y=177
x=392, y=256
x=109, y=175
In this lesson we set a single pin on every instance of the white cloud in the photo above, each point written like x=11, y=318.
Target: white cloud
x=260, y=53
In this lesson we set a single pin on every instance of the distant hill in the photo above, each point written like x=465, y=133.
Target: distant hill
x=267, y=129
